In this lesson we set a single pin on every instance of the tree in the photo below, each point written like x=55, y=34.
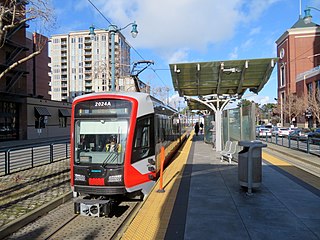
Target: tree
x=16, y=13
x=244, y=103
x=314, y=104
x=294, y=106
x=162, y=93
x=269, y=110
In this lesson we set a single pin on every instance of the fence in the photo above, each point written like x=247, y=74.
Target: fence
x=311, y=146
x=18, y=158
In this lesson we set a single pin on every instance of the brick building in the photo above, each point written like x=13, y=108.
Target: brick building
x=26, y=111
x=298, y=50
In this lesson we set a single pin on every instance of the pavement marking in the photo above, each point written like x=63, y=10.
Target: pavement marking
x=153, y=218
x=293, y=170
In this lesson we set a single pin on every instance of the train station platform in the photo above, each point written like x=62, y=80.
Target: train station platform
x=203, y=200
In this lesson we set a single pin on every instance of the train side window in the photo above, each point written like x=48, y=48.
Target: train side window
x=143, y=139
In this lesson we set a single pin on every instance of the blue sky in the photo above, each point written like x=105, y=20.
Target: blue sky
x=190, y=30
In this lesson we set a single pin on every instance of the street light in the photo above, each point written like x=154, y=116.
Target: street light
x=307, y=16
x=113, y=29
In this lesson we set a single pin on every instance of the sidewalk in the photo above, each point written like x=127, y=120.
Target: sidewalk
x=19, y=143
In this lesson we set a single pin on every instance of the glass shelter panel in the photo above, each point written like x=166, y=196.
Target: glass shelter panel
x=239, y=123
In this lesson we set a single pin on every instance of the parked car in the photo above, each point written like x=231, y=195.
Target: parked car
x=274, y=131
x=281, y=131
x=268, y=126
x=263, y=132
x=314, y=136
x=301, y=134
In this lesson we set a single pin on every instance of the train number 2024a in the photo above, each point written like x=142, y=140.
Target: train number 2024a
x=102, y=103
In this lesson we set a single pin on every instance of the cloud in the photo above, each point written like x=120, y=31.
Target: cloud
x=260, y=99
x=177, y=102
x=255, y=31
x=170, y=28
x=171, y=24
x=234, y=53
x=247, y=44
x=180, y=55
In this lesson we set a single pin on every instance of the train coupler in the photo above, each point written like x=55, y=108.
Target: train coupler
x=92, y=207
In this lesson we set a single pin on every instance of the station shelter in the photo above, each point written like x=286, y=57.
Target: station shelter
x=210, y=86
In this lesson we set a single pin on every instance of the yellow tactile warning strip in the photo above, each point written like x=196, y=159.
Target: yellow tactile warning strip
x=293, y=170
x=152, y=220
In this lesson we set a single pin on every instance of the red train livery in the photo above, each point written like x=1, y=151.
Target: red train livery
x=115, y=147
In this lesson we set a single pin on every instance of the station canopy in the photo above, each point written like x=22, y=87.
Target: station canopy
x=221, y=78
x=212, y=85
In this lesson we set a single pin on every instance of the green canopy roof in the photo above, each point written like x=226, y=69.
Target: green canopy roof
x=231, y=77
x=195, y=105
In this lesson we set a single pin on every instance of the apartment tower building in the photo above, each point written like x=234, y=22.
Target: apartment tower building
x=81, y=64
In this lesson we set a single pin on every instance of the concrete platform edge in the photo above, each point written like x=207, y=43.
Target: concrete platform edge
x=287, y=153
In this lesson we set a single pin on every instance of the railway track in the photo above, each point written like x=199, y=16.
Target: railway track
x=23, y=192
x=62, y=223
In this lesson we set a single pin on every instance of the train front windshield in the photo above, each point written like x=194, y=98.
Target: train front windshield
x=101, y=130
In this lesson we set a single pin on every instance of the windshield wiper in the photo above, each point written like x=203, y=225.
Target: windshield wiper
x=112, y=156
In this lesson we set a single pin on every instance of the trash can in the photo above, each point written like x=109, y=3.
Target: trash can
x=250, y=164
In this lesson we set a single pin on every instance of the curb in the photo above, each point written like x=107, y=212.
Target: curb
x=33, y=215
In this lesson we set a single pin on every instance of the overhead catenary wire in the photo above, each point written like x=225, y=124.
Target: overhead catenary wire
x=127, y=42
x=100, y=12
x=145, y=59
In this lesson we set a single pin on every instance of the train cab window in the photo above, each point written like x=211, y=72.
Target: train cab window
x=100, y=141
x=143, y=139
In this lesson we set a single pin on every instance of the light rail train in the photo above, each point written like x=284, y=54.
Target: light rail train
x=115, y=147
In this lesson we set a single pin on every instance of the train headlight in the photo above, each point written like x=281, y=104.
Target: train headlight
x=115, y=178
x=79, y=177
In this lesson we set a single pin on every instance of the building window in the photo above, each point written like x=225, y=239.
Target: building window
x=41, y=115
x=63, y=117
x=282, y=76
x=309, y=88
x=318, y=85
x=9, y=118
